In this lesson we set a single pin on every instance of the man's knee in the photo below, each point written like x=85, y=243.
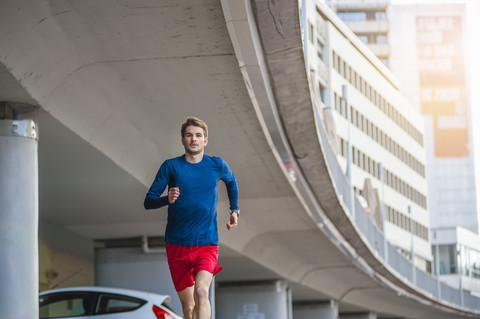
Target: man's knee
x=201, y=294
x=188, y=308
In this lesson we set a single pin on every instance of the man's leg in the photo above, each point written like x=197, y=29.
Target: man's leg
x=202, y=303
x=188, y=302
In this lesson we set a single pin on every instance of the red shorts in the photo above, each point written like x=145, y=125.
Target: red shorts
x=186, y=261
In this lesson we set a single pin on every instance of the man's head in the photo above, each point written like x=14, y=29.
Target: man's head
x=194, y=135
x=194, y=121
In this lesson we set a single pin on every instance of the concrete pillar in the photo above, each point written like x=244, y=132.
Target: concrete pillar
x=252, y=300
x=360, y=315
x=132, y=267
x=316, y=310
x=18, y=212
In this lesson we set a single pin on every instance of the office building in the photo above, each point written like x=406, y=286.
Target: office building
x=428, y=57
x=425, y=52
x=386, y=131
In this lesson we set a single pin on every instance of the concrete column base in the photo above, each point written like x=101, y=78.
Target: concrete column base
x=252, y=300
x=363, y=315
x=320, y=310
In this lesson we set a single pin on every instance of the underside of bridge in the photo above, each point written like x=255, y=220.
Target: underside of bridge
x=113, y=80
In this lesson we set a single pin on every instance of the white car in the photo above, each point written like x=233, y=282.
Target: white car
x=104, y=303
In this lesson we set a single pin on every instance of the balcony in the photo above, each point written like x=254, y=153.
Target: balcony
x=380, y=50
x=368, y=26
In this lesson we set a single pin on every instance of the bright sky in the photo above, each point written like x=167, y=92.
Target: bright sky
x=472, y=67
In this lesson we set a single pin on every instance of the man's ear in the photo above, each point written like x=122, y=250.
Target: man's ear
x=206, y=141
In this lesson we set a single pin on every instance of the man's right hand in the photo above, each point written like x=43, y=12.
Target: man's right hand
x=173, y=194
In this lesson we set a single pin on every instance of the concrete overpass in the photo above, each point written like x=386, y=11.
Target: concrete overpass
x=114, y=79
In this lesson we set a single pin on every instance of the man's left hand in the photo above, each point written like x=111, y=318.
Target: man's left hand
x=233, y=222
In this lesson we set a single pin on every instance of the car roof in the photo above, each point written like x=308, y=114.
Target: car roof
x=122, y=291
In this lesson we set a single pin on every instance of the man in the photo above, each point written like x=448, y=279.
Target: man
x=191, y=235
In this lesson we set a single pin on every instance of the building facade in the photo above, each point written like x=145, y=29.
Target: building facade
x=423, y=45
x=370, y=118
x=426, y=53
x=368, y=20
x=428, y=57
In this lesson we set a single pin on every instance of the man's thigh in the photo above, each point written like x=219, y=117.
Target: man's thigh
x=203, y=279
x=186, y=262
x=180, y=267
x=205, y=258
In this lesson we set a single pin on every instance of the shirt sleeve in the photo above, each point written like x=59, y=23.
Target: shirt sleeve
x=154, y=198
x=231, y=183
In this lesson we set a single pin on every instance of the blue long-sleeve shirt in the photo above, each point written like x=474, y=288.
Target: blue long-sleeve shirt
x=192, y=219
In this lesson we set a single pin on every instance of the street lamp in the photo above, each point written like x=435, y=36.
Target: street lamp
x=412, y=253
x=385, y=248
x=437, y=262
x=349, y=151
x=460, y=272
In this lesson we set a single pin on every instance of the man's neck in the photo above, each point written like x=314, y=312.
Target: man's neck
x=194, y=158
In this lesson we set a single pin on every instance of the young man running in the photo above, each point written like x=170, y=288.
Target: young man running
x=192, y=235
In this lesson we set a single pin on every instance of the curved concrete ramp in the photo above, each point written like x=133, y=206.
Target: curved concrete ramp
x=122, y=75
x=281, y=39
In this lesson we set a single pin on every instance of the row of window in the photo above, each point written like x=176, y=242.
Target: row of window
x=362, y=15
x=373, y=38
x=376, y=98
x=370, y=166
x=366, y=126
x=404, y=222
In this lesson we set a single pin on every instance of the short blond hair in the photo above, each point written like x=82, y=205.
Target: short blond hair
x=194, y=121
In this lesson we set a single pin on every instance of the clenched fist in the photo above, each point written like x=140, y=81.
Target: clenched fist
x=173, y=194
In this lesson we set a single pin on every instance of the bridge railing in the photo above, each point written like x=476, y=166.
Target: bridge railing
x=375, y=238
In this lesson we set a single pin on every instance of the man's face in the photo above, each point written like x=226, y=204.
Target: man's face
x=194, y=140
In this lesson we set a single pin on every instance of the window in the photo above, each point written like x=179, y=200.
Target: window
x=344, y=107
x=310, y=33
x=447, y=259
x=352, y=16
x=109, y=303
x=363, y=38
x=67, y=304
x=381, y=39
x=320, y=50
x=380, y=16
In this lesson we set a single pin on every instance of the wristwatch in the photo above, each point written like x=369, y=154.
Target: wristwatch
x=235, y=211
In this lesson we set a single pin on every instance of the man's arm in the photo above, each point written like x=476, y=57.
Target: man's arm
x=154, y=198
x=232, y=190
x=231, y=183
